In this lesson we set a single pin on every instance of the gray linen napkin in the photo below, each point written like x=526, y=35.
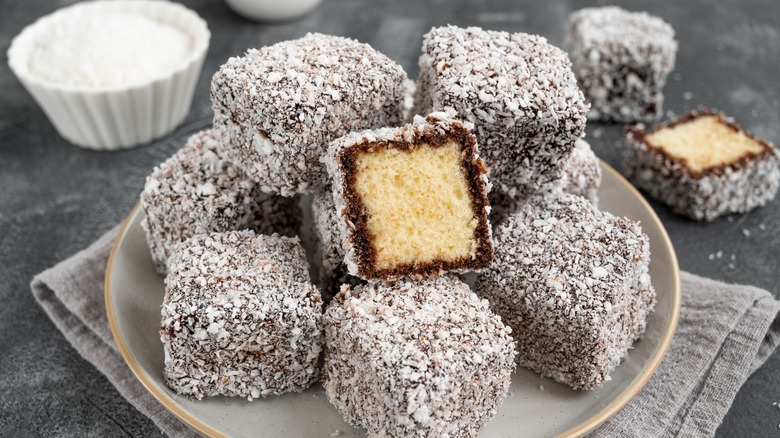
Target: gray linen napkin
x=71, y=293
x=725, y=333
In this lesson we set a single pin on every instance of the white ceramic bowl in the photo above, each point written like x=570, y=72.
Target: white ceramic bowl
x=116, y=117
x=271, y=10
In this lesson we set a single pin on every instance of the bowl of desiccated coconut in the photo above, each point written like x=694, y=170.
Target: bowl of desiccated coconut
x=112, y=74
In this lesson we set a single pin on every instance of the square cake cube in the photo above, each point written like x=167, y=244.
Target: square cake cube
x=276, y=108
x=518, y=91
x=703, y=165
x=621, y=60
x=573, y=284
x=422, y=358
x=240, y=317
x=198, y=191
x=412, y=201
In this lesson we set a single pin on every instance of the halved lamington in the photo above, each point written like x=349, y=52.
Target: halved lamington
x=573, y=283
x=581, y=176
x=416, y=358
x=518, y=91
x=240, y=317
x=198, y=191
x=412, y=200
x=621, y=60
x=276, y=108
x=703, y=165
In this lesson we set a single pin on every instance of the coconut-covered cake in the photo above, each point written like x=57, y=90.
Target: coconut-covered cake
x=198, y=191
x=581, y=176
x=703, y=165
x=573, y=283
x=240, y=317
x=518, y=91
x=416, y=358
x=277, y=107
x=333, y=271
x=621, y=60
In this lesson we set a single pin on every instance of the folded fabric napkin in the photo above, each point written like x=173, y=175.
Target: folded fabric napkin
x=725, y=333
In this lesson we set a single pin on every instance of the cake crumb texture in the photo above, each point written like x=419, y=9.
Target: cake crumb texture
x=412, y=200
x=417, y=204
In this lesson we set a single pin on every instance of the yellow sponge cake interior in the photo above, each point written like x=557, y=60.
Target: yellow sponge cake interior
x=417, y=204
x=414, y=200
x=704, y=143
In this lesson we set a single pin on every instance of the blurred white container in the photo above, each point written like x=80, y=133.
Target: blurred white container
x=109, y=118
x=271, y=10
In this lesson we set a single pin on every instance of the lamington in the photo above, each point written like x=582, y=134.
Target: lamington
x=276, y=108
x=703, y=165
x=519, y=92
x=412, y=201
x=581, y=176
x=573, y=284
x=240, y=317
x=416, y=358
x=333, y=271
x=198, y=191
x=621, y=60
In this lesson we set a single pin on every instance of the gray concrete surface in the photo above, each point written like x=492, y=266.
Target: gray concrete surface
x=55, y=198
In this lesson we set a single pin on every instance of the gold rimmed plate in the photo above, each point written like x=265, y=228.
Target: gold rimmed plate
x=134, y=293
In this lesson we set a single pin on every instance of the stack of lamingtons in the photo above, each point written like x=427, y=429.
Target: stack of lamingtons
x=399, y=210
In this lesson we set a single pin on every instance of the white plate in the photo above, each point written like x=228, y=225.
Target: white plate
x=134, y=293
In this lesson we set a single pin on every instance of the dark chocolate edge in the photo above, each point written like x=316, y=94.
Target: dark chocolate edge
x=356, y=213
